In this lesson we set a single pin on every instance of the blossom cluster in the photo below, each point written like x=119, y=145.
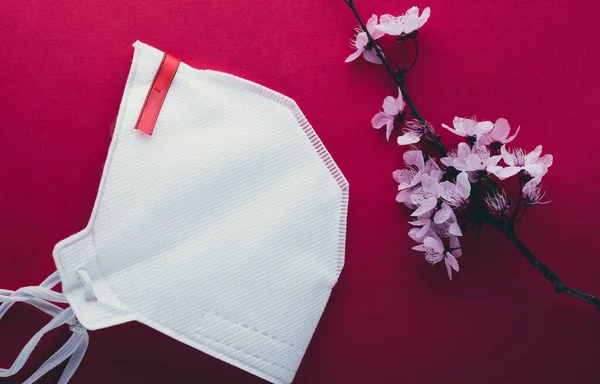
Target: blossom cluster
x=378, y=27
x=439, y=191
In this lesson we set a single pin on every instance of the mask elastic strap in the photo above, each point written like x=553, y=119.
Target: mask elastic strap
x=42, y=297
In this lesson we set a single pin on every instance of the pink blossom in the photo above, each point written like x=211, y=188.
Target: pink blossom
x=412, y=132
x=435, y=251
x=392, y=108
x=475, y=159
x=433, y=211
x=431, y=207
x=498, y=135
x=435, y=217
x=517, y=161
x=469, y=128
x=421, y=189
x=411, y=175
x=425, y=225
x=533, y=193
x=413, y=159
x=425, y=198
x=456, y=194
x=404, y=24
x=497, y=202
x=361, y=42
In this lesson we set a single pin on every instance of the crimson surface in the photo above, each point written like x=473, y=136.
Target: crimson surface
x=392, y=318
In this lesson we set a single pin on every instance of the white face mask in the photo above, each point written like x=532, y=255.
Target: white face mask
x=224, y=229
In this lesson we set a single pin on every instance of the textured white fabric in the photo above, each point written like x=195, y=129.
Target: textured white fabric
x=225, y=229
x=42, y=297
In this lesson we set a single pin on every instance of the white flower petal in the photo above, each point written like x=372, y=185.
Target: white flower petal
x=414, y=157
x=413, y=12
x=448, y=269
x=403, y=175
x=463, y=150
x=420, y=221
x=451, y=260
x=433, y=243
x=434, y=257
x=437, y=177
x=377, y=32
x=501, y=130
x=493, y=160
x=389, y=106
x=427, y=182
x=506, y=156
x=463, y=185
x=531, y=157
x=427, y=205
x=447, y=190
x=409, y=138
x=371, y=56
x=379, y=120
x=413, y=234
x=474, y=162
x=485, y=139
x=448, y=161
x=423, y=231
x=394, y=27
x=484, y=127
x=400, y=104
x=455, y=245
x=411, y=25
x=494, y=169
x=506, y=141
x=546, y=160
x=455, y=131
x=354, y=55
x=424, y=16
x=389, y=128
x=372, y=22
x=403, y=196
x=455, y=229
x=443, y=214
x=386, y=18
x=469, y=127
x=361, y=41
x=534, y=170
x=431, y=166
x=507, y=172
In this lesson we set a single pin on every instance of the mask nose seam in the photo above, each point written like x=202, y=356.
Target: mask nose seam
x=86, y=280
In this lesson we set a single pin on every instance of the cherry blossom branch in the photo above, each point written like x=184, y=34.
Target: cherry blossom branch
x=398, y=77
x=522, y=215
x=434, y=139
x=508, y=230
x=372, y=42
x=559, y=286
x=513, y=218
x=391, y=58
x=414, y=39
x=404, y=51
x=480, y=214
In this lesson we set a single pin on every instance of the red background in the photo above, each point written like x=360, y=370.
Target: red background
x=391, y=318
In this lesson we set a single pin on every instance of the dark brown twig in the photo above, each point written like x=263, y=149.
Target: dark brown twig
x=483, y=215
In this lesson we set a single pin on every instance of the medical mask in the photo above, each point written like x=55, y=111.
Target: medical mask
x=220, y=221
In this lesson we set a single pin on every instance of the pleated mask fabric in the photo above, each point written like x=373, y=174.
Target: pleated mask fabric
x=224, y=229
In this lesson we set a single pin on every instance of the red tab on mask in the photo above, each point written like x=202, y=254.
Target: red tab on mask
x=157, y=94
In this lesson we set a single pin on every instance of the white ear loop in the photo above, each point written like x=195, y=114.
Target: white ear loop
x=42, y=297
x=85, y=279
